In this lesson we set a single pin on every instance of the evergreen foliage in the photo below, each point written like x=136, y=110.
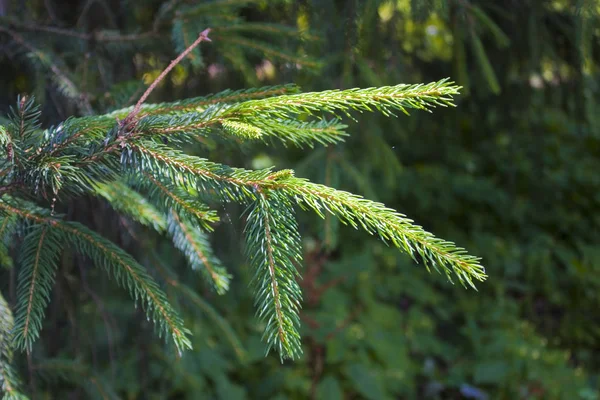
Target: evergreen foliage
x=73, y=159
x=8, y=377
x=142, y=191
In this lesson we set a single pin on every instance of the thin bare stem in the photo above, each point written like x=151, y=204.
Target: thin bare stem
x=203, y=37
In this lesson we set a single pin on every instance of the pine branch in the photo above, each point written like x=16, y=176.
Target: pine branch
x=38, y=264
x=273, y=246
x=9, y=381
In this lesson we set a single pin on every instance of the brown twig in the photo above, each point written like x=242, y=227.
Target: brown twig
x=130, y=119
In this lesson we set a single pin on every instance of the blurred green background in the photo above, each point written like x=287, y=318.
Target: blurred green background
x=512, y=174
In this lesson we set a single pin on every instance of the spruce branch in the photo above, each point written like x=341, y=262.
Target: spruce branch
x=126, y=271
x=224, y=97
x=388, y=224
x=273, y=248
x=131, y=203
x=24, y=120
x=9, y=381
x=147, y=178
x=195, y=104
x=242, y=185
x=276, y=116
x=324, y=132
x=385, y=99
x=195, y=245
x=38, y=264
x=224, y=182
x=173, y=198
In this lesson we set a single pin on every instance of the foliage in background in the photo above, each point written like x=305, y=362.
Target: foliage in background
x=511, y=174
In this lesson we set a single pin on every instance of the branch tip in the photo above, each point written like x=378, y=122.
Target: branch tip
x=129, y=122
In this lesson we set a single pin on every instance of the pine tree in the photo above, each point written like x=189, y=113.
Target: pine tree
x=133, y=158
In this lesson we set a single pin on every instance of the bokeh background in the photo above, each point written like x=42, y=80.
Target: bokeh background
x=512, y=174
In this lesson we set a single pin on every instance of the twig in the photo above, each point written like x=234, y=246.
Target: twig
x=129, y=120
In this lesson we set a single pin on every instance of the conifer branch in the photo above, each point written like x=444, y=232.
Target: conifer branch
x=96, y=155
x=225, y=97
x=9, y=381
x=126, y=271
x=388, y=224
x=123, y=199
x=194, y=244
x=229, y=184
x=273, y=246
x=241, y=185
x=323, y=132
x=173, y=198
x=385, y=99
x=39, y=262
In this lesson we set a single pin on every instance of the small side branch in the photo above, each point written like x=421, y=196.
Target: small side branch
x=130, y=119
